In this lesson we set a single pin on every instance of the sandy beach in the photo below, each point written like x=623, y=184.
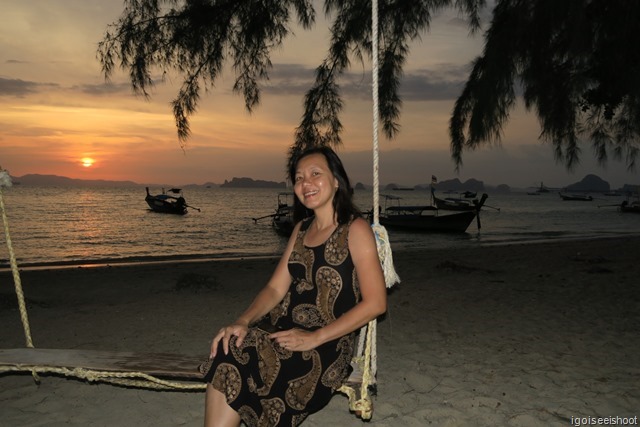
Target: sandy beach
x=541, y=334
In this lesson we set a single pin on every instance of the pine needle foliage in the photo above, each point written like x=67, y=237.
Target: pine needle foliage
x=574, y=62
x=198, y=38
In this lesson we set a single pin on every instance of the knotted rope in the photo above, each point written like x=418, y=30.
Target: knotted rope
x=5, y=181
x=366, y=355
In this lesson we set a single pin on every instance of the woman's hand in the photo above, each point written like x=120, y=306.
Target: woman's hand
x=237, y=329
x=295, y=339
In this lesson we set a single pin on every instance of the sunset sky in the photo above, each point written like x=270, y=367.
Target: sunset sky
x=57, y=115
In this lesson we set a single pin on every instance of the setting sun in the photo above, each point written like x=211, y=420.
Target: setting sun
x=87, y=161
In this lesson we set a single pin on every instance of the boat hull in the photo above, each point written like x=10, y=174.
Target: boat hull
x=575, y=197
x=453, y=223
x=283, y=224
x=163, y=203
x=630, y=207
x=282, y=220
x=162, y=206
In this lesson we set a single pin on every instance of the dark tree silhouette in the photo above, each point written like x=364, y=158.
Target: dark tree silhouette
x=196, y=37
x=577, y=63
x=400, y=22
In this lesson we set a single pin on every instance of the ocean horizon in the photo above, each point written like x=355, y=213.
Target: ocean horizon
x=591, y=181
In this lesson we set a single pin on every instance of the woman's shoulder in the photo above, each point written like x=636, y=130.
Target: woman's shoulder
x=361, y=239
x=359, y=227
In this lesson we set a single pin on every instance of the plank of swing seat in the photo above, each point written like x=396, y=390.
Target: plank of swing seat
x=155, y=364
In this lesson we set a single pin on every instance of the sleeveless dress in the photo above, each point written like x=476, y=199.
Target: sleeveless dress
x=271, y=386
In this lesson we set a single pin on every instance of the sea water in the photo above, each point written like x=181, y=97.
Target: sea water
x=97, y=225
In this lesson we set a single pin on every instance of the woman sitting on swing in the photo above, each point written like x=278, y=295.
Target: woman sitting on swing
x=286, y=355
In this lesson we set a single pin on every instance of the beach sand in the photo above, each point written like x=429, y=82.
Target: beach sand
x=517, y=335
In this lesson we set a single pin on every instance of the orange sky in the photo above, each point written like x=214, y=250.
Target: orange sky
x=56, y=111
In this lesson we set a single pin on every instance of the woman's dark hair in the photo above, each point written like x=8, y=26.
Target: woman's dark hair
x=343, y=199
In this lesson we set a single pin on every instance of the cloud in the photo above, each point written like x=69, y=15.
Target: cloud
x=15, y=61
x=289, y=79
x=442, y=82
x=103, y=89
x=20, y=88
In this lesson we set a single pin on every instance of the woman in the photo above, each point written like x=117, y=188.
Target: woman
x=275, y=370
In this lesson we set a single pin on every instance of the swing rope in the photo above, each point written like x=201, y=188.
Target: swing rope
x=366, y=355
x=382, y=239
x=125, y=379
x=5, y=181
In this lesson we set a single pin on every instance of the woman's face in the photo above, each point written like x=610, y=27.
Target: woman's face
x=314, y=183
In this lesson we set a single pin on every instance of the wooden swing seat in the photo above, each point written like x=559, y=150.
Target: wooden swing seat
x=162, y=365
x=124, y=367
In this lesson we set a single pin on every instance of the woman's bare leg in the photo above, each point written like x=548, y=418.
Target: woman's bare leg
x=217, y=413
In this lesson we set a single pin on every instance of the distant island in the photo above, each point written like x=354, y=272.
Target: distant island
x=251, y=183
x=62, y=181
x=38, y=180
x=360, y=186
x=455, y=185
x=590, y=183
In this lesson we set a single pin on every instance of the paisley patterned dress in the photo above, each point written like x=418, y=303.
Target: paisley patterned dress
x=271, y=386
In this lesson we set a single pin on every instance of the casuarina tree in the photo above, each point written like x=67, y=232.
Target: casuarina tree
x=573, y=61
x=198, y=38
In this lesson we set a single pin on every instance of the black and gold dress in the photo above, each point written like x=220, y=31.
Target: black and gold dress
x=270, y=386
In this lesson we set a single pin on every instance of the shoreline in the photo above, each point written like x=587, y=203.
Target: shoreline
x=204, y=258
x=511, y=335
x=132, y=262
